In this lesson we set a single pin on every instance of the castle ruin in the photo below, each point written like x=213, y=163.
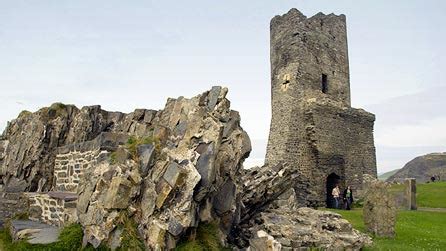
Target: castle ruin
x=313, y=126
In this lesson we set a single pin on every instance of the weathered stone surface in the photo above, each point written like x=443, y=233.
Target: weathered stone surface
x=379, y=209
x=313, y=126
x=198, y=150
x=146, y=154
x=411, y=193
x=29, y=144
x=101, y=200
x=280, y=229
x=12, y=204
x=33, y=232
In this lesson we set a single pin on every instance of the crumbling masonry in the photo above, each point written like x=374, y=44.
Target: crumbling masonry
x=313, y=125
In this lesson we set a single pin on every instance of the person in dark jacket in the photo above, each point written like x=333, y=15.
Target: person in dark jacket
x=348, y=197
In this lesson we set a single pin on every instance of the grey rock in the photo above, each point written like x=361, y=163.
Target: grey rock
x=146, y=153
x=172, y=173
x=33, y=232
x=213, y=97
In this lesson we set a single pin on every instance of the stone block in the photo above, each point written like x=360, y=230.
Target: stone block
x=118, y=194
x=163, y=190
x=174, y=227
x=146, y=153
x=172, y=173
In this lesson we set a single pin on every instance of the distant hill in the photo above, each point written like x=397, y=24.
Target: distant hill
x=386, y=175
x=422, y=168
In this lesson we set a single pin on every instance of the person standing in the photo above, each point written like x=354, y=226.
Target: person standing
x=336, y=193
x=348, y=197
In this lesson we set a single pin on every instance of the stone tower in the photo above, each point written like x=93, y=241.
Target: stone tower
x=313, y=126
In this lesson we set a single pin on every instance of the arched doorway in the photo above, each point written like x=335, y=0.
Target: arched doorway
x=332, y=180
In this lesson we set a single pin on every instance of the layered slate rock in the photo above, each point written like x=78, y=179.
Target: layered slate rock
x=185, y=176
x=33, y=232
x=305, y=228
x=271, y=219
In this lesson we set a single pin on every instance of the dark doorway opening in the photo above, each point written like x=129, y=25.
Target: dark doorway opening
x=332, y=180
x=324, y=83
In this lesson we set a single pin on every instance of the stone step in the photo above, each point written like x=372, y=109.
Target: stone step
x=33, y=232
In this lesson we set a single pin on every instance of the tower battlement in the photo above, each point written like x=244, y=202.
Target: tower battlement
x=309, y=56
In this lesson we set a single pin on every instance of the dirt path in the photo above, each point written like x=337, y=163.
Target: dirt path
x=431, y=209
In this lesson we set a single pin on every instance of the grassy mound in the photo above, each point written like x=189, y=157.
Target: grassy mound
x=415, y=230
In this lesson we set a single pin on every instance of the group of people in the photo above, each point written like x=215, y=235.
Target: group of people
x=347, y=197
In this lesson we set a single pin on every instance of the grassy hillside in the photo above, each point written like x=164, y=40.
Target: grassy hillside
x=386, y=175
x=415, y=230
x=428, y=194
x=431, y=195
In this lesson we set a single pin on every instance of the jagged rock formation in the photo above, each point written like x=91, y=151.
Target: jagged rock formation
x=190, y=179
x=270, y=217
x=29, y=143
x=422, y=168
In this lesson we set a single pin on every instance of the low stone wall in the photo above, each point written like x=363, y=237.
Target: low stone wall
x=12, y=204
x=55, y=210
x=69, y=167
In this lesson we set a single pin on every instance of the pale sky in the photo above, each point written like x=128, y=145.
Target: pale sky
x=134, y=54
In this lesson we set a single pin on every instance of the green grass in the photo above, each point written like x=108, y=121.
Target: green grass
x=415, y=230
x=130, y=238
x=206, y=240
x=431, y=195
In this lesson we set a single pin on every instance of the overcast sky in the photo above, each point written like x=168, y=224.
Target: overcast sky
x=134, y=54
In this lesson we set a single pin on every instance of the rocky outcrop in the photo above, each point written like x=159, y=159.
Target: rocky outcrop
x=185, y=176
x=29, y=144
x=422, y=168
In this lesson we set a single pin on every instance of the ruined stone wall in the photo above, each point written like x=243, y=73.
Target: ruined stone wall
x=342, y=142
x=12, y=204
x=69, y=167
x=52, y=210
